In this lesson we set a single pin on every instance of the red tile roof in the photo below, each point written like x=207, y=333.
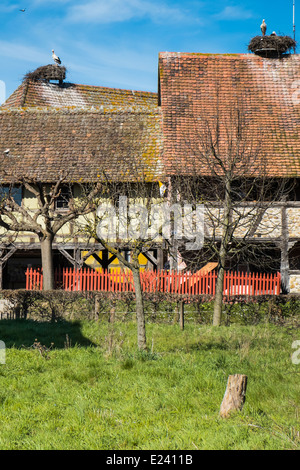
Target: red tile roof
x=82, y=142
x=194, y=88
x=56, y=118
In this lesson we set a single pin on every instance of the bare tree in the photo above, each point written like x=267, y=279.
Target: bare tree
x=122, y=223
x=44, y=219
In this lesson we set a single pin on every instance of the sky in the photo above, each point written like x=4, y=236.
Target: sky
x=115, y=43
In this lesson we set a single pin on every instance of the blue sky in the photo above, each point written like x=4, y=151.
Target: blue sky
x=116, y=43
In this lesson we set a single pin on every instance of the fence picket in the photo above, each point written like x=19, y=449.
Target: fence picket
x=87, y=279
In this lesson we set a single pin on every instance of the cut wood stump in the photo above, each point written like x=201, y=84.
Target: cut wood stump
x=235, y=395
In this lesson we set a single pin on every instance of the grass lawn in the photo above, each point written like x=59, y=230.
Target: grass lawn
x=91, y=389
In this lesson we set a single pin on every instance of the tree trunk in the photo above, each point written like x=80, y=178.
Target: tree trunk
x=218, y=302
x=235, y=394
x=140, y=313
x=47, y=263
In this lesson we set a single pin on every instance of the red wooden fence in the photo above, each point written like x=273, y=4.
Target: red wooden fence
x=86, y=279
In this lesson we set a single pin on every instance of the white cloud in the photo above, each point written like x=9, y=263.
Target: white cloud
x=48, y=2
x=5, y=8
x=234, y=13
x=103, y=11
x=21, y=52
x=109, y=65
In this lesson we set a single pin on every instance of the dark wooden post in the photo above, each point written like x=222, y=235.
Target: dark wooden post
x=235, y=394
x=112, y=313
x=181, y=315
x=160, y=261
x=97, y=307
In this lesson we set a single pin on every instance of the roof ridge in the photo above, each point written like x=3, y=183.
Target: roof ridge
x=136, y=109
x=33, y=93
x=98, y=87
x=24, y=94
x=111, y=89
x=14, y=94
x=242, y=55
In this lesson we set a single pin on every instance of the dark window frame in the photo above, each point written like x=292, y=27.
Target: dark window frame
x=63, y=200
x=16, y=192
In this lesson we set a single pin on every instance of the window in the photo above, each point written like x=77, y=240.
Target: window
x=127, y=256
x=62, y=201
x=14, y=192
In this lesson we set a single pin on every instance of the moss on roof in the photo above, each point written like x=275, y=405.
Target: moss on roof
x=125, y=143
x=196, y=87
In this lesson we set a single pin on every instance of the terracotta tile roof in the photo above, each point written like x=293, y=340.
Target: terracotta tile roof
x=194, y=86
x=124, y=142
x=38, y=93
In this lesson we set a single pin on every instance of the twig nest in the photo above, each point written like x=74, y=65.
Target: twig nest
x=279, y=45
x=47, y=73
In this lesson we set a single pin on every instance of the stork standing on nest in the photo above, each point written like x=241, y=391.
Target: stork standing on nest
x=263, y=28
x=55, y=58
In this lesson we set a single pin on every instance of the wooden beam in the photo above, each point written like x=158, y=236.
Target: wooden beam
x=9, y=254
x=56, y=246
x=160, y=259
x=68, y=256
x=150, y=257
x=87, y=255
x=3, y=259
x=105, y=262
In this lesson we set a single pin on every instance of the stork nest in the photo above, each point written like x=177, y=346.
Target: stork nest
x=47, y=73
x=280, y=44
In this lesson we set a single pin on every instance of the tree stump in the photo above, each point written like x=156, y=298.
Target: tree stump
x=235, y=394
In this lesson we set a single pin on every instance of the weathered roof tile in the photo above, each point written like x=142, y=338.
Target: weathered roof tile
x=83, y=143
x=196, y=87
x=39, y=93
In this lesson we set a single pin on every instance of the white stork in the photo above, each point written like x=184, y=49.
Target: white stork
x=55, y=58
x=263, y=28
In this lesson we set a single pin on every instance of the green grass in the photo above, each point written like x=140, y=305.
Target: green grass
x=92, y=389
